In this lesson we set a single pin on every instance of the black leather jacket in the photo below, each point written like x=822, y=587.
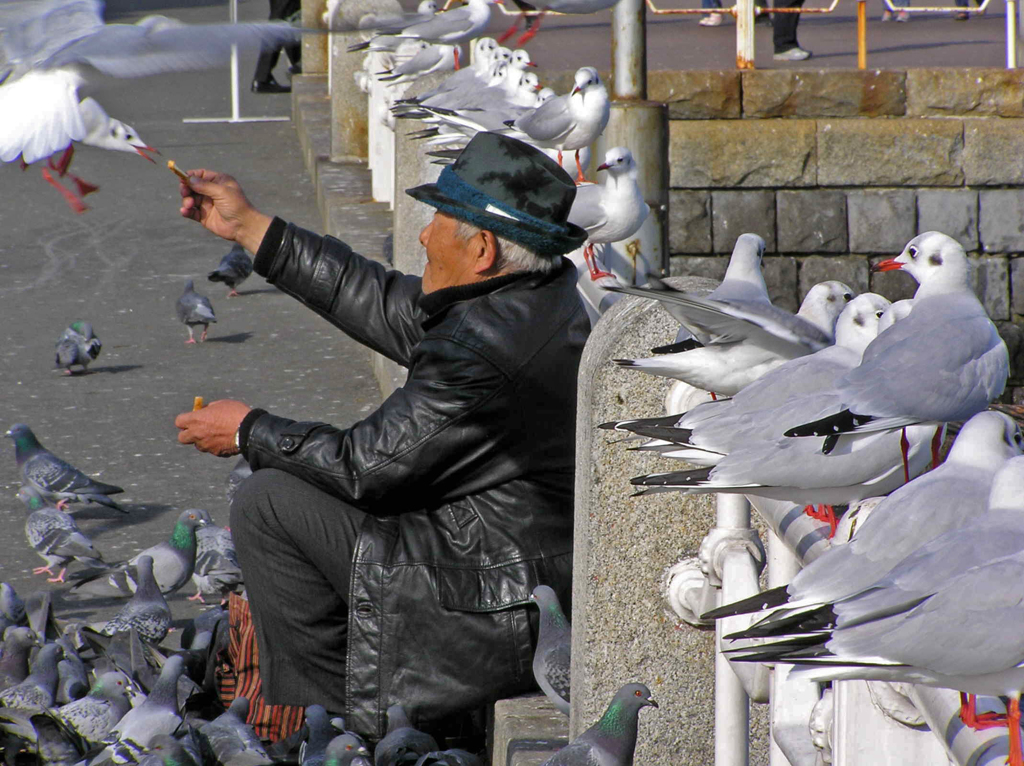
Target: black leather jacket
x=467, y=471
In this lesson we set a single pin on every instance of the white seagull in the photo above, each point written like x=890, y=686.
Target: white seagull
x=569, y=122
x=613, y=211
x=558, y=6
x=46, y=46
x=429, y=58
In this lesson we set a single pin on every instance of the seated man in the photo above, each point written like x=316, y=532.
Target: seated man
x=392, y=561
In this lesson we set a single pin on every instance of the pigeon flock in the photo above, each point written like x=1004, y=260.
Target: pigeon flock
x=847, y=400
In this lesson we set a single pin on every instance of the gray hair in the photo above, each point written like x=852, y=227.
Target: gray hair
x=512, y=256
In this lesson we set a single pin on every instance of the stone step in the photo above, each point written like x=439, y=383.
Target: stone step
x=527, y=730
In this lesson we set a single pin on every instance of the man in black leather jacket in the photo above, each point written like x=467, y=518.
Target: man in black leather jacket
x=392, y=561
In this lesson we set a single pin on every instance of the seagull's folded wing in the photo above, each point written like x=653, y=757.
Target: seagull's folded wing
x=548, y=122
x=440, y=26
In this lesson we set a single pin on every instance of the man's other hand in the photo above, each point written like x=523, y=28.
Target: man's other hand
x=217, y=201
x=212, y=429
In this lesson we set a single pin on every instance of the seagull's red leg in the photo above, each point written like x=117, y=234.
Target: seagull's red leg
x=1016, y=757
x=580, y=178
x=41, y=570
x=713, y=397
x=65, y=160
x=74, y=202
x=456, y=69
x=968, y=711
x=511, y=30
x=559, y=158
x=58, y=578
x=24, y=165
x=84, y=187
x=588, y=258
x=904, y=451
x=824, y=513
x=531, y=31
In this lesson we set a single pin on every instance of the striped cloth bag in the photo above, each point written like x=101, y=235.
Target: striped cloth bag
x=239, y=676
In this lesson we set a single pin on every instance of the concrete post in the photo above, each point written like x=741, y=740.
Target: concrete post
x=642, y=127
x=349, y=108
x=629, y=50
x=744, y=34
x=314, y=46
x=412, y=168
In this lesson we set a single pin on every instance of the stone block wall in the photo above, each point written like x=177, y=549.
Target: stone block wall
x=838, y=169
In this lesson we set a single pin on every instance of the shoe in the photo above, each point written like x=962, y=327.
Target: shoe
x=270, y=86
x=761, y=16
x=793, y=54
x=887, y=16
x=903, y=16
x=711, y=20
x=962, y=16
x=295, y=69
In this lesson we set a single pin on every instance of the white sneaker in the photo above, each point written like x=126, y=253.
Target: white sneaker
x=793, y=54
x=711, y=20
x=887, y=16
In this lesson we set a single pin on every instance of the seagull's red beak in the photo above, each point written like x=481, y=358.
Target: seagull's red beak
x=531, y=63
x=142, y=152
x=889, y=264
x=603, y=166
x=575, y=90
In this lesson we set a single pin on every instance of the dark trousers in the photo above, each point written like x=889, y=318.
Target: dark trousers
x=295, y=545
x=784, y=25
x=279, y=9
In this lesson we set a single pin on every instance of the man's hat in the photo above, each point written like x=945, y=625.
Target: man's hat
x=509, y=188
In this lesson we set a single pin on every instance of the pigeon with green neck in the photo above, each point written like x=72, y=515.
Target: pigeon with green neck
x=612, y=740
x=55, y=536
x=52, y=477
x=551, y=658
x=174, y=560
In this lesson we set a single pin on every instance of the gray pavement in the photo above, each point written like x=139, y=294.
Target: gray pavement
x=122, y=265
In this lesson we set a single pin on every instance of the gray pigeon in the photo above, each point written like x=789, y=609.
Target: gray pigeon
x=14, y=655
x=95, y=714
x=77, y=345
x=72, y=677
x=52, y=477
x=53, y=741
x=551, y=659
x=313, y=751
x=344, y=750
x=230, y=741
x=173, y=560
x=612, y=740
x=401, y=740
x=234, y=268
x=238, y=474
x=55, y=536
x=147, y=611
x=194, y=309
x=157, y=715
x=217, y=571
x=38, y=688
x=11, y=606
x=166, y=750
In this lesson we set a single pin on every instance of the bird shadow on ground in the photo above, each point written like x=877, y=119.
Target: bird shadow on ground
x=238, y=337
x=139, y=514
x=116, y=368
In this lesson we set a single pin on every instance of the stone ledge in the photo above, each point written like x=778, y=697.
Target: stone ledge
x=699, y=94
x=972, y=91
x=993, y=152
x=823, y=93
x=527, y=730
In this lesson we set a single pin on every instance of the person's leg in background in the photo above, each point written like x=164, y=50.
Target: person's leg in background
x=711, y=19
x=899, y=15
x=263, y=79
x=295, y=545
x=784, y=33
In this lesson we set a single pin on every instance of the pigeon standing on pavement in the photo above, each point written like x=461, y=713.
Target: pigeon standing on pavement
x=612, y=740
x=52, y=477
x=157, y=715
x=147, y=611
x=55, y=536
x=14, y=651
x=12, y=608
x=401, y=741
x=174, y=559
x=551, y=659
x=94, y=715
x=234, y=268
x=194, y=309
x=77, y=345
x=229, y=740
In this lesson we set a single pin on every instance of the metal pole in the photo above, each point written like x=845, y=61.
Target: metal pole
x=629, y=50
x=862, y=34
x=745, y=34
x=1011, y=34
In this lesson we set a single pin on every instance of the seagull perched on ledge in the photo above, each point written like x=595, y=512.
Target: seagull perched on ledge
x=46, y=47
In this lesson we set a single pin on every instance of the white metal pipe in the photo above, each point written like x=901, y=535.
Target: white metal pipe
x=629, y=50
x=732, y=511
x=732, y=706
x=745, y=34
x=941, y=711
x=1011, y=34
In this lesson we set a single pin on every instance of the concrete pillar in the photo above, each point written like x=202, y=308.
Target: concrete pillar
x=314, y=46
x=622, y=627
x=412, y=168
x=642, y=127
x=349, y=108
